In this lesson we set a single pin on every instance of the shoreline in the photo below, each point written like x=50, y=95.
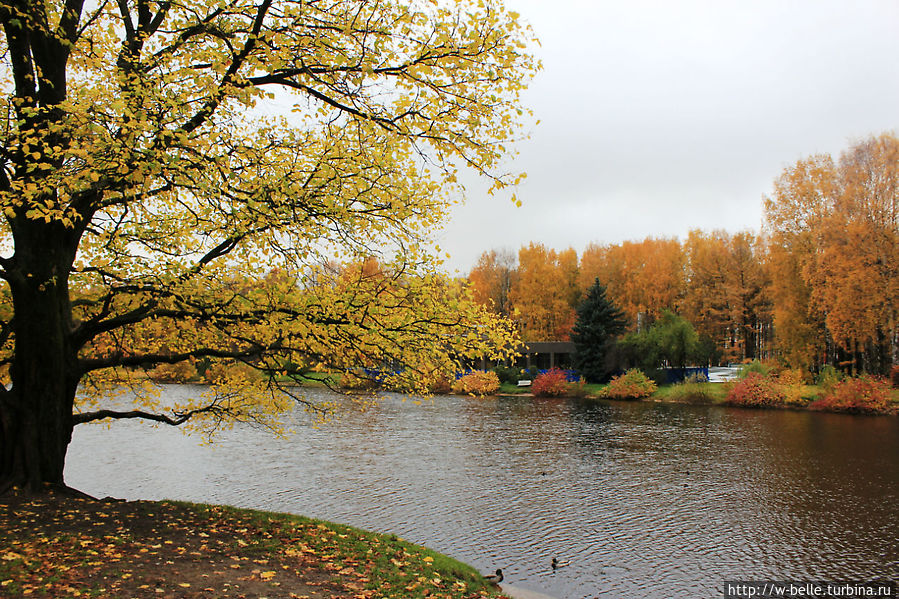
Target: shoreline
x=56, y=544
x=661, y=396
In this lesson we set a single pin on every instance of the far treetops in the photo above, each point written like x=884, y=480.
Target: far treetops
x=819, y=285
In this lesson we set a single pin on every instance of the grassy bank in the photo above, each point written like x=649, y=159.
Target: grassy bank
x=700, y=393
x=60, y=546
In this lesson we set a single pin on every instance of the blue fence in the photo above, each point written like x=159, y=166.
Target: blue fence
x=570, y=375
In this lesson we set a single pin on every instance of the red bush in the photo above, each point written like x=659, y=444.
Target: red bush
x=863, y=395
x=756, y=391
x=552, y=383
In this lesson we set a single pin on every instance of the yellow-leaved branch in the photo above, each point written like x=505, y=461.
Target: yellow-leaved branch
x=201, y=182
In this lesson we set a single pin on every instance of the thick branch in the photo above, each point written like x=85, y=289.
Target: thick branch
x=176, y=419
x=89, y=365
x=97, y=326
x=19, y=57
x=210, y=107
x=68, y=23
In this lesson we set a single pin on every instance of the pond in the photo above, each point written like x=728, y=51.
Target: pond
x=644, y=499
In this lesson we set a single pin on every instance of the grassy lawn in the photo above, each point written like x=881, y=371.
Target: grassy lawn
x=706, y=393
x=61, y=546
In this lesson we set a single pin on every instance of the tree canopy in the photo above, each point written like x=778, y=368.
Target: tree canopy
x=175, y=172
x=834, y=255
x=671, y=342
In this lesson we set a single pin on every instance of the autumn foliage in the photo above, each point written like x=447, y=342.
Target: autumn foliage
x=633, y=384
x=757, y=391
x=818, y=287
x=545, y=293
x=834, y=258
x=643, y=278
x=477, y=383
x=791, y=381
x=859, y=395
x=177, y=177
x=552, y=383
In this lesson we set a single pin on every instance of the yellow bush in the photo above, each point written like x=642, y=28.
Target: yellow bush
x=477, y=382
x=791, y=382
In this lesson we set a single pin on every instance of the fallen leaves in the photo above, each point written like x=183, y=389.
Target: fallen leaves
x=72, y=547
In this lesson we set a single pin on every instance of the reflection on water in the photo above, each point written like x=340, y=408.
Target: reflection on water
x=646, y=500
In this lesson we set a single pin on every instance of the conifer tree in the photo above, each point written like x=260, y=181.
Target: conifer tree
x=598, y=323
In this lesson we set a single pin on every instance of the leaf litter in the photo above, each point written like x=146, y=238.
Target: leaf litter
x=57, y=545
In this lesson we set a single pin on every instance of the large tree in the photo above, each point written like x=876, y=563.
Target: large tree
x=599, y=323
x=493, y=278
x=833, y=255
x=172, y=170
x=544, y=295
x=726, y=292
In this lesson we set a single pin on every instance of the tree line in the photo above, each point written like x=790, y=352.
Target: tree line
x=818, y=285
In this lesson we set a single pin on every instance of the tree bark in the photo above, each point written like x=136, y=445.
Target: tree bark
x=36, y=413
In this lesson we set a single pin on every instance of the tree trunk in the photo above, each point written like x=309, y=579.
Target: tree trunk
x=36, y=413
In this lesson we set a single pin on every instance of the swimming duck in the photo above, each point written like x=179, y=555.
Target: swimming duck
x=495, y=578
x=559, y=564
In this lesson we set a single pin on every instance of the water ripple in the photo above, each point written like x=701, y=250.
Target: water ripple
x=645, y=500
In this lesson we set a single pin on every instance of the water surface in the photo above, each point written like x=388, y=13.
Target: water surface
x=644, y=499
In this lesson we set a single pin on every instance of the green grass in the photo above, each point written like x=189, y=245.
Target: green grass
x=695, y=393
x=513, y=389
x=55, y=545
x=389, y=562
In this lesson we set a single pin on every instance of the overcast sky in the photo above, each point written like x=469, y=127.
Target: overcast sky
x=662, y=116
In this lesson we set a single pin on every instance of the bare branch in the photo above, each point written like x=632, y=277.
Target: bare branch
x=177, y=418
x=88, y=365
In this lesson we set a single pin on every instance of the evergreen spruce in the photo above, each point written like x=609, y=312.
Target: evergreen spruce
x=599, y=323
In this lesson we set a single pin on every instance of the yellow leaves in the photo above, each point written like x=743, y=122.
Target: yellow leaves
x=829, y=243
x=165, y=183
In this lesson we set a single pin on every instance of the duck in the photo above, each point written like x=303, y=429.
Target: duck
x=559, y=564
x=495, y=578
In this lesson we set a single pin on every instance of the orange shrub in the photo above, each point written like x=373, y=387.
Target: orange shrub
x=633, y=384
x=477, y=382
x=440, y=386
x=862, y=395
x=552, y=383
x=894, y=377
x=180, y=372
x=756, y=391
